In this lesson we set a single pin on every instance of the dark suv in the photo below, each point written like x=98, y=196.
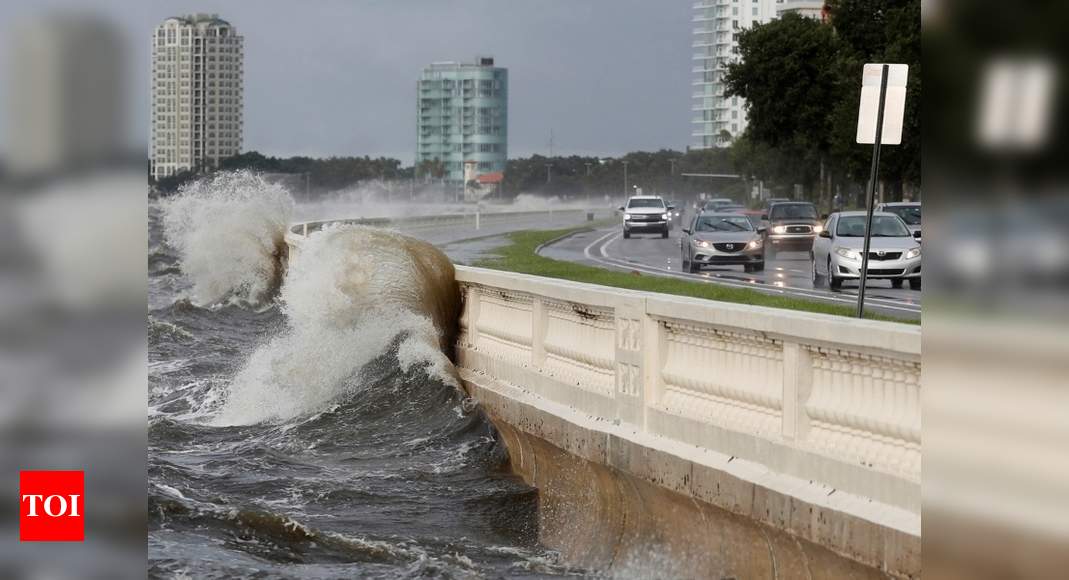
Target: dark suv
x=791, y=226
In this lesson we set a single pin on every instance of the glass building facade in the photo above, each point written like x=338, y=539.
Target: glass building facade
x=462, y=115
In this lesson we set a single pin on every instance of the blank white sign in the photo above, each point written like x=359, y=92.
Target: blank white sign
x=894, y=107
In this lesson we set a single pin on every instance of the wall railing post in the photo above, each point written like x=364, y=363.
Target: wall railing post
x=797, y=384
x=539, y=323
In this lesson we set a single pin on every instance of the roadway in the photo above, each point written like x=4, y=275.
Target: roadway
x=790, y=274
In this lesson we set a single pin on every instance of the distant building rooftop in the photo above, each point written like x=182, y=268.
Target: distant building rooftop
x=480, y=61
x=201, y=18
x=487, y=178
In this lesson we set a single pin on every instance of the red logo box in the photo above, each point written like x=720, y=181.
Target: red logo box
x=51, y=506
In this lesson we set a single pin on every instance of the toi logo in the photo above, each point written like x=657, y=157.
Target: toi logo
x=51, y=506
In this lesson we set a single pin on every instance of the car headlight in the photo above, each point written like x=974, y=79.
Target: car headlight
x=848, y=253
x=915, y=252
x=664, y=216
x=702, y=243
x=818, y=229
x=627, y=216
x=754, y=244
x=779, y=229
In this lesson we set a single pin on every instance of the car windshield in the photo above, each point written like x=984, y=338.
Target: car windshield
x=883, y=226
x=645, y=203
x=728, y=223
x=911, y=214
x=793, y=211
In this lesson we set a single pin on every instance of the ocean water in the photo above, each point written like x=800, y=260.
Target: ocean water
x=311, y=427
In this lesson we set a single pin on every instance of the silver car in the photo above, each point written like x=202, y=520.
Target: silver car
x=894, y=253
x=909, y=211
x=721, y=238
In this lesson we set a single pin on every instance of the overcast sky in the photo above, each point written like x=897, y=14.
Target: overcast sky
x=338, y=77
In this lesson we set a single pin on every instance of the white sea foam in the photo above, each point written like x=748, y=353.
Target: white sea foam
x=228, y=231
x=348, y=294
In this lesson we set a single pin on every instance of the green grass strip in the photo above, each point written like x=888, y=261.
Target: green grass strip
x=519, y=256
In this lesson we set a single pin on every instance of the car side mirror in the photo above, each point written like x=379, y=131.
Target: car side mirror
x=764, y=216
x=917, y=234
x=762, y=230
x=671, y=207
x=824, y=216
x=825, y=234
x=621, y=208
x=686, y=231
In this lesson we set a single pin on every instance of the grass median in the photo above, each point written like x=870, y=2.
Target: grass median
x=519, y=256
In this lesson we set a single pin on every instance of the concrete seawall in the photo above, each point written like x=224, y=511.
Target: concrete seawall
x=746, y=442
x=674, y=437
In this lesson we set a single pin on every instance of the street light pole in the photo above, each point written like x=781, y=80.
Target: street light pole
x=626, y=191
x=549, y=172
x=672, y=178
x=588, y=164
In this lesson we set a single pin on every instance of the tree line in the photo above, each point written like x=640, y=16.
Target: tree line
x=326, y=174
x=801, y=79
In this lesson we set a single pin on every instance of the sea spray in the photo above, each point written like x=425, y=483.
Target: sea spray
x=228, y=231
x=349, y=293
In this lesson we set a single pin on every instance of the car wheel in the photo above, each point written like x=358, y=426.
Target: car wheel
x=684, y=263
x=914, y=283
x=627, y=234
x=834, y=282
x=747, y=268
x=896, y=283
x=664, y=234
x=694, y=268
x=759, y=267
x=816, y=275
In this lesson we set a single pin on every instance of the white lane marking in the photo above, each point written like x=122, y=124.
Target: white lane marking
x=586, y=250
x=787, y=291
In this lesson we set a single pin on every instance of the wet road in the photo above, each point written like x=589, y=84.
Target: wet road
x=789, y=274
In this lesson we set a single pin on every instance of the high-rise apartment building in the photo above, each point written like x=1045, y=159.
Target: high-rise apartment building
x=197, y=93
x=462, y=116
x=815, y=9
x=719, y=119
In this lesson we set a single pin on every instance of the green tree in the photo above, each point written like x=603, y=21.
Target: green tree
x=885, y=31
x=789, y=75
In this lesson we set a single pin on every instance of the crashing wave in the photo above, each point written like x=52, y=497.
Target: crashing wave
x=349, y=293
x=229, y=233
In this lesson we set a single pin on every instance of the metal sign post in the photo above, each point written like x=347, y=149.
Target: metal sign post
x=865, y=129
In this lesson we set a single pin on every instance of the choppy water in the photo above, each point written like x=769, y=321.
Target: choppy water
x=361, y=459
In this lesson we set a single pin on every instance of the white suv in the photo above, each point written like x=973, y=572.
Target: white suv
x=646, y=213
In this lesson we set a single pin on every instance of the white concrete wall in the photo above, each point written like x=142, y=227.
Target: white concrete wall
x=817, y=407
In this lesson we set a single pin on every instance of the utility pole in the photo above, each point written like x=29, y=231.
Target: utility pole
x=672, y=178
x=549, y=172
x=626, y=191
x=588, y=164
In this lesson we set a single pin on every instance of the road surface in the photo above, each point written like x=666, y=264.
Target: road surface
x=790, y=274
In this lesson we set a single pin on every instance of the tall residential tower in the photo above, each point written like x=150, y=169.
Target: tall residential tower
x=197, y=94
x=462, y=117
x=718, y=119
